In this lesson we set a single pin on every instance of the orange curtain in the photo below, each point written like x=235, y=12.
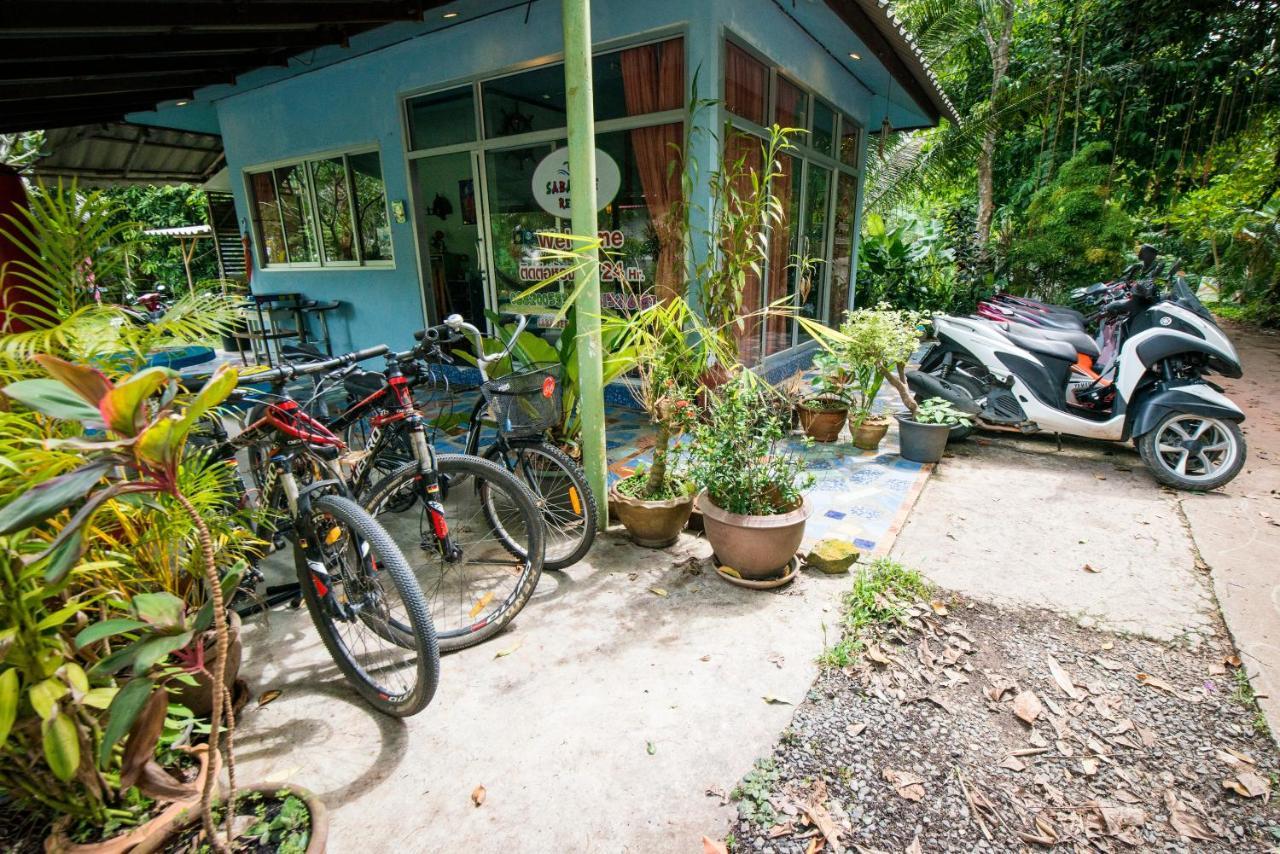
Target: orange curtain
x=653, y=81
x=749, y=149
x=745, y=81
x=778, y=328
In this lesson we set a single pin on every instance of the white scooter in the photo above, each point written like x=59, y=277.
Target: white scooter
x=1154, y=392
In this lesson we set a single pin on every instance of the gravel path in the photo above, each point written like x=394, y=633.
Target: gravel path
x=1123, y=744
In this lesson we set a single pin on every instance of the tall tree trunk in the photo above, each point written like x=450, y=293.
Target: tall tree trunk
x=997, y=35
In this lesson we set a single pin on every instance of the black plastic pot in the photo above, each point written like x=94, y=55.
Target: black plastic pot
x=921, y=443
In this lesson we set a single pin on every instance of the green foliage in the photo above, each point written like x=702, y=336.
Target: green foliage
x=935, y=410
x=1075, y=233
x=834, y=381
x=877, y=342
x=907, y=264
x=880, y=592
x=754, y=791
x=735, y=454
x=158, y=260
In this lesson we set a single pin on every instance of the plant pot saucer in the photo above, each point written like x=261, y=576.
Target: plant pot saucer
x=792, y=570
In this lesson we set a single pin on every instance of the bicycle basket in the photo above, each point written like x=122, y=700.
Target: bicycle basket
x=525, y=403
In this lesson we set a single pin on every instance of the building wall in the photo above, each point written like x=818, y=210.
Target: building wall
x=357, y=103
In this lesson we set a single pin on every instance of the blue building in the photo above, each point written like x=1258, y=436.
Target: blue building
x=407, y=170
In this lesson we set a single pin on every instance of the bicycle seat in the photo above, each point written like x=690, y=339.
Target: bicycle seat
x=361, y=384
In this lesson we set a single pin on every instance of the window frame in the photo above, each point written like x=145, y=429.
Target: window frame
x=804, y=156
x=307, y=163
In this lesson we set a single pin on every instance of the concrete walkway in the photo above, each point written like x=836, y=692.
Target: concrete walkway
x=1087, y=532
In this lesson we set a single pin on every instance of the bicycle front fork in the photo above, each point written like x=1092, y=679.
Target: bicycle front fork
x=429, y=483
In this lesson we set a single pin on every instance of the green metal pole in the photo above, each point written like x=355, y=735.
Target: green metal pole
x=582, y=193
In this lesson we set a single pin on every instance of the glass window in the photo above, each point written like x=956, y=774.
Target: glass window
x=372, y=221
x=824, y=128
x=266, y=219
x=842, y=246
x=790, y=105
x=813, y=230
x=783, y=247
x=442, y=118
x=333, y=209
x=746, y=81
x=849, y=133
x=295, y=213
x=521, y=103
x=325, y=211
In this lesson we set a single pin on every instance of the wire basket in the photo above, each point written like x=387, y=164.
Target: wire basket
x=525, y=403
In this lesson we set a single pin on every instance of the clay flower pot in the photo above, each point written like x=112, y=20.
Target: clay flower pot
x=199, y=697
x=870, y=433
x=318, y=842
x=758, y=547
x=652, y=524
x=151, y=833
x=822, y=419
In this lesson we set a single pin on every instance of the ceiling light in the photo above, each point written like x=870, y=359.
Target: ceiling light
x=853, y=55
x=448, y=15
x=183, y=103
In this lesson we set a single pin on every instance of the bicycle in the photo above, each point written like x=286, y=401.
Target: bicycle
x=349, y=571
x=526, y=404
x=477, y=553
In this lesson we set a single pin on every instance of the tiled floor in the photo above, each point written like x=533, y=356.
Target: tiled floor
x=862, y=496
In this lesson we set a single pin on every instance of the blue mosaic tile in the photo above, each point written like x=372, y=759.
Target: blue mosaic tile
x=863, y=544
x=834, y=514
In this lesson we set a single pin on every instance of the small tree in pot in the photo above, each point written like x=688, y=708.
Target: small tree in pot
x=672, y=349
x=877, y=342
x=822, y=414
x=923, y=433
x=753, y=501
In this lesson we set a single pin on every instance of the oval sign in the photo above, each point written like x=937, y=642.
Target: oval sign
x=551, y=182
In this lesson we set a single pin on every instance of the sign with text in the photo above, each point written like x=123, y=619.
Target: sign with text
x=551, y=182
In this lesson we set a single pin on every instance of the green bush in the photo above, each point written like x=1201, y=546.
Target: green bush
x=1075, y=233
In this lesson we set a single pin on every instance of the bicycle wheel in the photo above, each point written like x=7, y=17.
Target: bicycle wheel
x=497, y=530
x=370, y=589
x=561, y=491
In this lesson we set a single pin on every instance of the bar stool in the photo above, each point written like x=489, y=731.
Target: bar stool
x=266, y=331
x=321, y=309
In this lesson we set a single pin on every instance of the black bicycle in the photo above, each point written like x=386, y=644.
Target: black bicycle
x=357, y=585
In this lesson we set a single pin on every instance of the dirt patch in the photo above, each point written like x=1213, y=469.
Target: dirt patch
x=963, y=727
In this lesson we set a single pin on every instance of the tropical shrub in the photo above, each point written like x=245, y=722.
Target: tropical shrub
x=909, y=264
x=1075, y=233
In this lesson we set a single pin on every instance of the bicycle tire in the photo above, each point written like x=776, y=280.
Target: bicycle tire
x=454, y=470
x=392, y=564
x=562, y=551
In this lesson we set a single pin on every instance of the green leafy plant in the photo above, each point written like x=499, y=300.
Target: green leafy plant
x=753, y=792
x=140, y=430
x=833, y=383
x=877, y=342
x=880, y=593
x=735, y=454
x=935, y=410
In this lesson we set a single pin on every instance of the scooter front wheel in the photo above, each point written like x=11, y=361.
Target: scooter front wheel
x=1194, y=452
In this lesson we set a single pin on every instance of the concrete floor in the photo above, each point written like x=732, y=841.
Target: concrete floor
x=601, y=730
x=1013, y=519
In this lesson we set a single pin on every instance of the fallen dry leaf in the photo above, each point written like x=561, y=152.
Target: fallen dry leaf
x=657, y=591
x=817, y=812
x=938, y=607
x=1013, y=763
x=1027, y=706
x=632, y=576
x=710, y=846
x=777, y=660
x=874, y=653
x=1089, y=568
x=718, y=792
x=1249, y=784
x=855, y=728
x=503, y=653
x=1000, y=685
x=776, y=701
x=1089, y=766
x=477, y=795
x=705, y=658
x=1108, y=645
x=914, y=847
x=1121, y=822
x=1231, y=661
x=268, y=696
x=1062, y=679
x=1183, y=821
x=906, y=784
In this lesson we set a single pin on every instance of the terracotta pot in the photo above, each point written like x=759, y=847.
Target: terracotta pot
x=152, y=833
x=822, y=424
x=921, y=443
x=652, y=524
x=870, y=433
x=317, y=844
x=199, y=697
x=756, y=546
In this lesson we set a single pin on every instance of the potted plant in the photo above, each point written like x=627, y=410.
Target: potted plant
x=922, y=433
x=672, y=349
x=268, y=818
x=752, y=502
x=876, y=342
x=823, y=413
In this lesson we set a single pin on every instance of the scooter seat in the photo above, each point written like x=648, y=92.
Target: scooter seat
x=1044, y=346
x=1079, y=340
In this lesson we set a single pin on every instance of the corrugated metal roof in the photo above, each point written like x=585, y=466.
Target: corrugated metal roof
x=113, y=154
x=181, y=231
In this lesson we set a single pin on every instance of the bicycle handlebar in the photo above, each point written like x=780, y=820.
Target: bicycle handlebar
x=457, y=327
x=285, y=373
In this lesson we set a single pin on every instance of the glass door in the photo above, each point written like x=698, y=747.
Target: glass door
x=447, y=199
x=515, y=221
x=814, y=230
